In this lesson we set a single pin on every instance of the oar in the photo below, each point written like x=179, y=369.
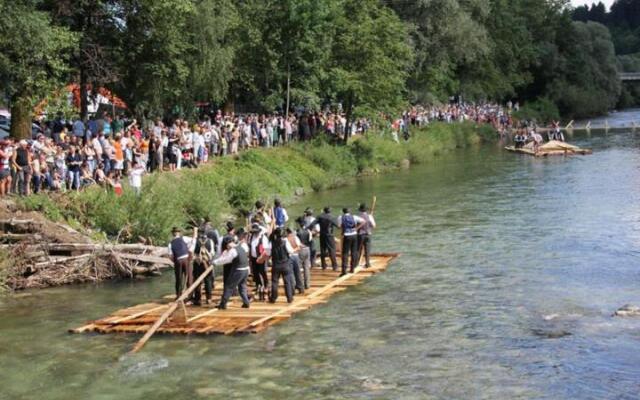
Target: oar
x=172, y=307
x=373, y=207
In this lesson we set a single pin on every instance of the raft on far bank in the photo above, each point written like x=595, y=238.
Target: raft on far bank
x=207, y=320
x=552, y=148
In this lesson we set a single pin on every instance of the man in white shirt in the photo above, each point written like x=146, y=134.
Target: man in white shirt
x=181, y=250
x=364, y=234
x=237, y=256
x=350, y=225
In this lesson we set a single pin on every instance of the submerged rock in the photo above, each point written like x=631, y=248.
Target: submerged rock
x=551, y=333
x=375, y=384
x=628, y=311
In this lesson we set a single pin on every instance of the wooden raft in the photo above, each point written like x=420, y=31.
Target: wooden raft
x=207, y=319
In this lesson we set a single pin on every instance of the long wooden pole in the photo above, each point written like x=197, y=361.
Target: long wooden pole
x=170, y=310
x=360, y=250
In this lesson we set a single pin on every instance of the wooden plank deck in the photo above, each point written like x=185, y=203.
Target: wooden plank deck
x=207, y=319
x=545, y=153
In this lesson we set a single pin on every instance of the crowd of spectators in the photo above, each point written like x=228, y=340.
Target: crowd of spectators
x=71, y=155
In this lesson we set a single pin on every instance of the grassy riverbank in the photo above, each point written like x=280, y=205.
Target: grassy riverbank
x=219, y=189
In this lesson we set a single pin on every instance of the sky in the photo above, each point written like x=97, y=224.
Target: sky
x=588, y=2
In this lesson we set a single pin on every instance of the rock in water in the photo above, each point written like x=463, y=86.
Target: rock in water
x=627, y=311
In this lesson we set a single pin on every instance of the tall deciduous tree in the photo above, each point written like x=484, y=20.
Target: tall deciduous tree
x=447, y=35
x=371, y=57
x=95, y=25
x=33, y=59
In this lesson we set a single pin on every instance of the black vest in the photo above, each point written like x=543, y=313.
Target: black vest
x=279, y=253
x=326, y=223
x=179, y=248
x=241, y=260
x=22, y=157
x=304, y=236
x=207, y=244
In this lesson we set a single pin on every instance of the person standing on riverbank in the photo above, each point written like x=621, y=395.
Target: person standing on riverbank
x=327, y=222
x=364, y=234
x=350, y=225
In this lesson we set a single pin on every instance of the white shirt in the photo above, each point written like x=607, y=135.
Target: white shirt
x=228, y=256
x=357, y=220
x=135, y=177
x=256, y=241
x=191, y=244
x=287, y=245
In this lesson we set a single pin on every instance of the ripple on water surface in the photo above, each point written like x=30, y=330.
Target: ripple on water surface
x=511, y=269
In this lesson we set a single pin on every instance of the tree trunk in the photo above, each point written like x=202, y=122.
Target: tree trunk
x=348, y=115
x=84, y=101
x=21, y=114
x=288, y=89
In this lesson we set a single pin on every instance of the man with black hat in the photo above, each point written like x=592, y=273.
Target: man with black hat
x=304, y=254
x=364, y=234
x=327, y=222
x=280, y=252
x=237, y=257
x=261, y=215
x=311, y=225
x=231, y=233
x=203, y=254
x=350, y=225
x=181, y=251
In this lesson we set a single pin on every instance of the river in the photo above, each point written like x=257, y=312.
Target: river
x=510, y=270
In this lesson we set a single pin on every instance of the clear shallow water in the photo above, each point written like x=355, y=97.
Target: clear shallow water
x=511, y=268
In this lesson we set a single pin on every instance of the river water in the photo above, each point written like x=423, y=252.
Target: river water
x=511, y=268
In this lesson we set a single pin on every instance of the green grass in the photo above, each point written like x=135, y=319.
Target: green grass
x=220, y=189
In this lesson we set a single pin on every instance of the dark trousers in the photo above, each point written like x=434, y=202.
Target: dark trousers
x=182, y=269
x=349, y=248
x=328, y=248
x=284, y=271
x=364, y=244
x=209, y=281
x=237, y=280
x=226, y=271
x=297, y=273
x=312, y=251
x=259, y=272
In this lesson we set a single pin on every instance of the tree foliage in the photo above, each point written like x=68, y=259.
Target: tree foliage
x=33, y=59
x=371, y=56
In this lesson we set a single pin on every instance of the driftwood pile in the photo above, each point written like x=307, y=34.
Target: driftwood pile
x=33, y=259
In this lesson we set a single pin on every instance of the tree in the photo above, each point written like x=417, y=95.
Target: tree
x=152, y=50
x=212, y=50
x=95, y=25
x=370, y=60
x=33, y=59
x=284, y=43
x=446, y=35
x=585, y=80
